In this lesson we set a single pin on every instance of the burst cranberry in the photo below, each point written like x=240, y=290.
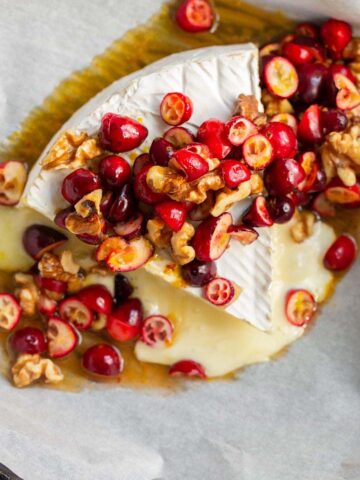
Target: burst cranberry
x=233, y=173
x=142, y=190
x=121, y=134
x=197, y=273
x=124, y=323
x=336, y=34
x=341, y=253
x=282, y=139
x=28, y=340
x=122, y=289
x=172, y=213
x=310, y=128
x=97, y=298
x=161, y=151
x=297, y=54
x=258, y=214
x=103, y=360
x=176, y=108
x=123, y=206
x=213, y=133
x=191, y=164
x=195, y=16
x=281, y=208
x=283, y=176
x=312, y=79
x=333, y=120
x=78, y=184
x=114, y=170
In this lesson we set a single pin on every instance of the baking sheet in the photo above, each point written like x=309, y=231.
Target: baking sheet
x=296, y=418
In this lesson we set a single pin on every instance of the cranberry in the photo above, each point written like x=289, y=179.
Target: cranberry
x=307, y=29
x=89, y=239
x=121, y=134
x=211, y=238
x=78, y=184
x=123, y=206
x=28, y=340
x=333, y=120
x=234, y=173
x=141, y=161
x=313, y=45
x=106, y=201
x=219, y=291
x=297, y=54
x=310, y=128
x=161, y=151
x=191, y=164
x=282, y=139
x=97, y=298
x=61, y=216
x=312, y=79
x=114, y=170
x=341, y=253
x=122, y=289
x=38, y=239
x=124, y=323
x=142, y=190
x=335, y=68
x=187, y=368
x=300, y=199
x=283, y=176
x=10, y=310
x=176, y=108
x=258, y=215
x=281, y=208
x=195, y=16
x=336, y=34
x=213, y=133
x=197, y=273
x=103, y=359
x=172, y=213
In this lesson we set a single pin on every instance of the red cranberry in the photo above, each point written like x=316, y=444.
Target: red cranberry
x=97, y=298
x=341, y=253
x=197, y=273
x=106, y=201
x=142, y=190
x=121, y=134
x=310, y=129
x=333, y=120
x=89, y=239
x=61, y=216
x=28, y=340
x=114, y=170
x=161, y=151
x=103, y=359
x=213, y=133
x=312, y=44
x=312, y=79
x=140, y=162
x=124, y=323
x=123, y=206
x=39, y=239
x=282, y=139
x=172, y=213
x=300, y=199
x=297, y=54
x=78, y=184
x=195, y=16
x=283, y=176
x=281, y=208
x=234, y=172
x=307, y=29
x=123, y=289
x=336, y=34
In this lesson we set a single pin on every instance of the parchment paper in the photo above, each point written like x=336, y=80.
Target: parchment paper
x=294, y=419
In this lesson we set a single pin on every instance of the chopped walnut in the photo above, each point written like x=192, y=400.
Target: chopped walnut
x=71, y=150
x=87, y=218
x=275, y=105
x=256, y=183
x=27, y=293
x=68, y=263
x=227, y=198
x=158, y=233
x=303, y=227
x=50, y=266
x=182, y=252
x=352, y=50
x=29, y=368
x=99, y=270
x=213, y=163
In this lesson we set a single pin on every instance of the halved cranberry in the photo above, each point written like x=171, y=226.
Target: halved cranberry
x=28, y=340
x=238, y=129
x=337, y=192
x=62, y=338
x=176, y=108
x=234, y=172
x=287, y=119
x=187, y=368
x=61, y=216
x=78, y=184
x=51, y=284
x=258, y=152
x=97, y=298
x=282, y=139
x=121, y=134
x=333, y=120
x=300, y=199
x=193, y=165
x=125, y=321
x=10, y=311
x=300, y=307
x=161, y=151
x=280, y=77
x=220, y=291
x=297, y=54
x=198, y=148
x=283, y=176
x=310, y=128
x=213, y=133
x=244, y=234
x=195, y=16
x=13, y=176
x=307, y=29
x=179, y=136
x=335, y=68
x=73, y=310
x=197, y=273
x=258, y=214
x=310, y=165
x=341, y=254
x=39, y=239
x=123, y=206
x=103, y=359
x=172, y=213
x=157, y=331
x=142, y=190
x=348, y=96
x=114, y=170
x=129, y=255
x=281, y=208
x=47, y=306
x=89, y=239
x=323, y=207
x=336, y=34
x=122, y=289
x=270, y=49
x=211, y=237
x=131, y=228
x=141, y=161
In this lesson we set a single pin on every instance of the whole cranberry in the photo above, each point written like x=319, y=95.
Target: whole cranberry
x=103, y=359
x=281, y=208
x=125, y=321
x=341, y=253
x=283, y=176
x=121, y=134
x=28, y=340
x=282, y=139
x=78, y=184
x=336, y=34
x=142, y=190
x=312, y=78
x=333, y=120
x=123, y=206
x=114, y=171
x=96, y=297
x=161, y=151
x=197, y=273
x=106, y=201
x=123, y=289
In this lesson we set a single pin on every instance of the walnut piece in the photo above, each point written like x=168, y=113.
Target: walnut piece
x=227, y=197
x=50, y=266
x=256, y=183
x=29, y=368
x=352, y=50
x=71, y=150
x=87, y=218
x=158, y=233
x=68, y=263
x=275, y=105
x=182, y=252
x=303, y=227
x=27, y=293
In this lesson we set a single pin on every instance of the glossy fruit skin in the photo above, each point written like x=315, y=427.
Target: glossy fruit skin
x=341, y=253
x=28, y=340
x=333, y=120
x=282, y=139
x=281, y=208
x=172, y=213
x=310, y=128
x=114, y=171
x=125, y=321
x=336, y=34
x=187, y=368
x=122, y=289
x=191, y=164
x=312, y=78
x=176, y=101
x=131, y=228
x=258, y=214
x=213, y=133
x=103, y=359
x=211, y=238
x=191, y=23
x=51, y=284
x=161, y=151
x=97, y=298
x=283, y=176
x=198, y=273
x=78, y=184
x=121, y=134
x=123, y=206
x=38, y=239
x=233, y=172
x=142, y=190
x=297, y=54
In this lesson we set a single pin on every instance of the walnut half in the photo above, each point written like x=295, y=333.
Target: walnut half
x=182, y=252
x=27, y=293
x=29, y=368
